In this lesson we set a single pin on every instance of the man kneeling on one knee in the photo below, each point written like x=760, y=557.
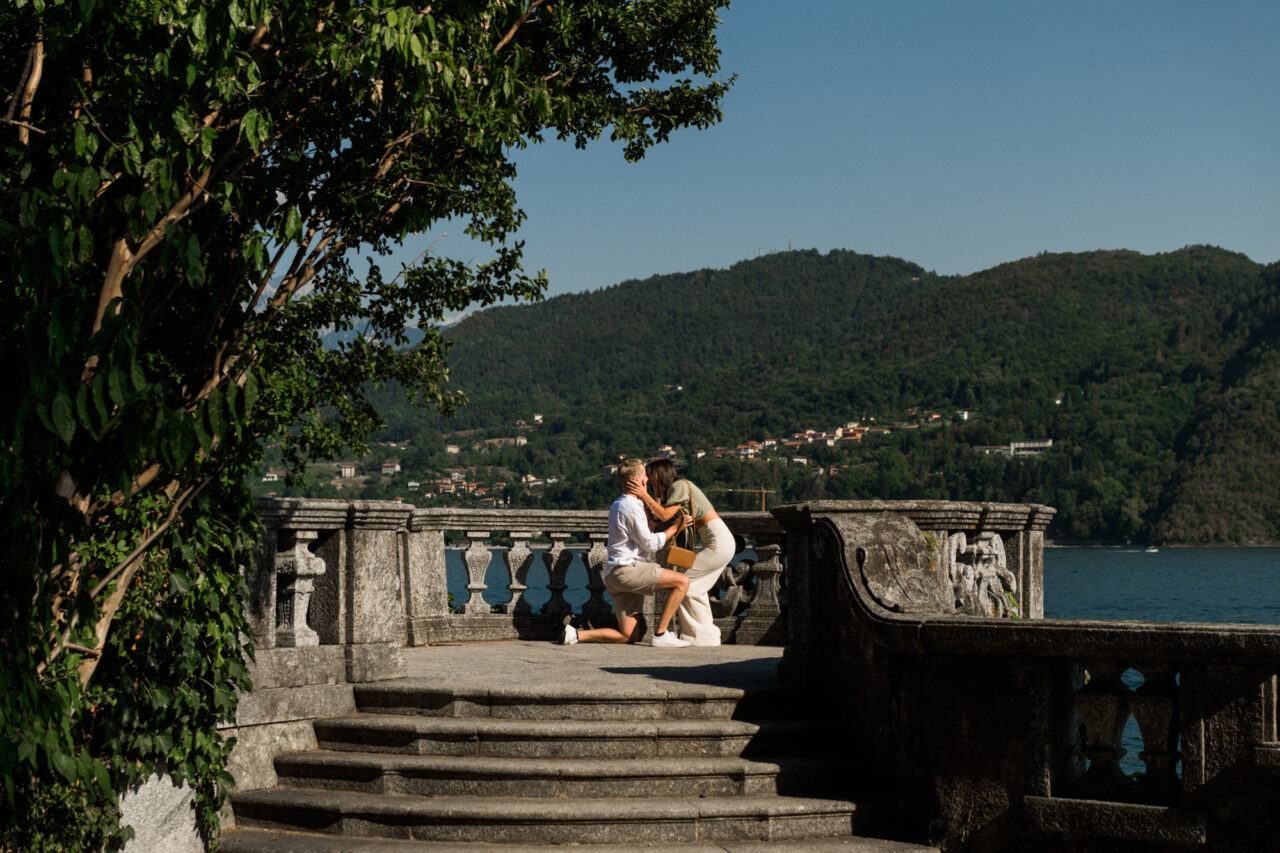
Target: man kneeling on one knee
x=629, y=577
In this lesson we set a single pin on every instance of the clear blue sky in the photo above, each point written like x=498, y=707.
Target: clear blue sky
x=957, y=135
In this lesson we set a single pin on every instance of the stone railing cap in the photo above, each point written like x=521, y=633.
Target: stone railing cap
x=931, y=514
x=328, y=514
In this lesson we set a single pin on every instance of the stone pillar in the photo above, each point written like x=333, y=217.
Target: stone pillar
x=296, y=571
x=374, y=620
x=261, y=583
x=426, y=586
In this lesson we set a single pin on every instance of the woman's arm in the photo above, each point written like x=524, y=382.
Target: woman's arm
x=661, y=514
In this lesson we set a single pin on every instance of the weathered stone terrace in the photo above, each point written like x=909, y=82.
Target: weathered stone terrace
x=916, y=626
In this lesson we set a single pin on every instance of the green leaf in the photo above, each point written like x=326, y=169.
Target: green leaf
x=62, y=413
x=27, y=751
x=201, y=434
x=89, y=183
x=162, y=696
x=102, y=778
x=97, y=385
x=249, y=127
x=116, y=385
x=213, y=412
x=179, y=439
x=65, y=765
x=292, y=225
x=250, y=392
x=82, y=404
x=137, y=376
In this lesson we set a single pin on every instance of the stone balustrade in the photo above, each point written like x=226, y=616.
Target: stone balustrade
x=372, y=576
x=747, y=604
x=997, y=734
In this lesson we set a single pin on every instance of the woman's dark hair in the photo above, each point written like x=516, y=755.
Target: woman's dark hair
x=662, y=473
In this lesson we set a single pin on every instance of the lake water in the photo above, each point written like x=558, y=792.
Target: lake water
x=1169, y=585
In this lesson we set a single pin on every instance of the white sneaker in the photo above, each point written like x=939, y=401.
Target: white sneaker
x=668, y=640
x=570, y=637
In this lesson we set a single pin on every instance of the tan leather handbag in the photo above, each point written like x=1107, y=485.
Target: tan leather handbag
x=681, y=557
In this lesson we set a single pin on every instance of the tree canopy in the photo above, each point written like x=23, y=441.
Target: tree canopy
x=190, y=195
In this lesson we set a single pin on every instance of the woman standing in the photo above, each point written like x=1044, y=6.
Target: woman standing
x=667, y=493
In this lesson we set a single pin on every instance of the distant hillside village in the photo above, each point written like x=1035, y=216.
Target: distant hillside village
x=457, y=472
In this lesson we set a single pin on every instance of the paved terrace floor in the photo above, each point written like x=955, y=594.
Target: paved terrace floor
x=637, y=668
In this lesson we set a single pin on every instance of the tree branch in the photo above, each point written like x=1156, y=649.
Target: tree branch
x=28, y=98
x=524, y=17
x=124, y=572
x=23, y=125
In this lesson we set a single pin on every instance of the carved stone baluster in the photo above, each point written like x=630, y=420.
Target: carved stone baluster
x=296, y=572
x=595, y=559
x=768, y=572
x=557, y=561
x=1103, y=706
x=477, y=558
x=519, y=560
x=1155, y=706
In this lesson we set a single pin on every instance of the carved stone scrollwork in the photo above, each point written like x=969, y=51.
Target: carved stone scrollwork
x=980, y=577
x=519, y=560
x=477, y=558
x=752, y=586
x=296, y=572
x=898, y=564
x=737, y=588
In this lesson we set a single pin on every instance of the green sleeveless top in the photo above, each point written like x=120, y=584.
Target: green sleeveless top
x=683, y=491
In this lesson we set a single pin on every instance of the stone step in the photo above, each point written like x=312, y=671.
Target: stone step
x=250, y=840
x=498, y=737
x=413, y=696
x=484, y=776
x=538, y=821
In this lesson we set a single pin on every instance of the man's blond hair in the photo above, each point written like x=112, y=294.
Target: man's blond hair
x=628, y=469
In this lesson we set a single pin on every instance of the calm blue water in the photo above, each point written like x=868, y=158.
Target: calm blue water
x=1170, y=585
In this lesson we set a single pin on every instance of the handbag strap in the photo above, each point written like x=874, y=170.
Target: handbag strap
x=688, y=535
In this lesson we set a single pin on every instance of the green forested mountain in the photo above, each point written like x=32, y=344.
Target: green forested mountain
x=1156, y=376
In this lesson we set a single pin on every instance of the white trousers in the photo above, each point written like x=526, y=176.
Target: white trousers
x=696, y=622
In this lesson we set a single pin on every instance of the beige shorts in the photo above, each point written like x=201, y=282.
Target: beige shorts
x=629, y=584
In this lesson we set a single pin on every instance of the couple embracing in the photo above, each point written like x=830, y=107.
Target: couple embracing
x=654, y=507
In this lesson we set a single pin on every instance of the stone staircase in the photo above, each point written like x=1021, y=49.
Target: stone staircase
x=662, y=762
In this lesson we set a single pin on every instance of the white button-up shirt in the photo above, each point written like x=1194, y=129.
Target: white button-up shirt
x=630, y=538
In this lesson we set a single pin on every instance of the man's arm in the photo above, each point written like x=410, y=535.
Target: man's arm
x=636, y=527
